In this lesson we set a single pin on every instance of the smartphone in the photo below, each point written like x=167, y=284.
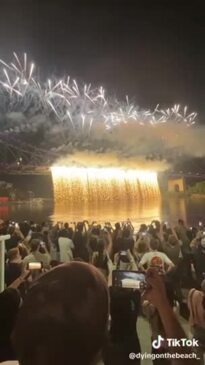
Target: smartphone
x=128, y=279
x=200, y=224
x=34, y=266
x=123, y=253
x=16, y=225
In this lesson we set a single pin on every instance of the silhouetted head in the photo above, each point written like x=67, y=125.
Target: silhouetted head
x=126, y=232
x=154, y=244
x=64, y=317
x=80, y=227
x=142, y=246
x=96, y=231
x=143, y=228
x=13, y=254
x=127, y=244
x=63, y=233
x=117, y=226
x=172, y=240
x=35, y=245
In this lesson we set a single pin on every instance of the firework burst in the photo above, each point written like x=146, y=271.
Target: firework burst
x=74, y=106
x=61, y=117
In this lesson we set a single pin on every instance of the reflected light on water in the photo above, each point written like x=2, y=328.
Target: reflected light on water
x=191, y=210
x=137, y=212
x=4, y=212
x=178, y=209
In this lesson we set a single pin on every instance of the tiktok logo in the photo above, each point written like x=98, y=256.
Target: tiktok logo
x=174, y=342
x=156, y=344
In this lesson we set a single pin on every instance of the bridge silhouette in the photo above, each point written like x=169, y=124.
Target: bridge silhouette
x=35, y=169
x=11, y=169
x=186, y=175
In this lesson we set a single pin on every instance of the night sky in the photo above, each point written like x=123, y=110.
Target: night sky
x=154, y=51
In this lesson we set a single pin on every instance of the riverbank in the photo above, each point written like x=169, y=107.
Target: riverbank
x=197, y=196
x=185, y=195
x=35, y=201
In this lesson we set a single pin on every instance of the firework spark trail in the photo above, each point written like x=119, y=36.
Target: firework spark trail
x=77, y=184
x=77, y=106
x=72, y=117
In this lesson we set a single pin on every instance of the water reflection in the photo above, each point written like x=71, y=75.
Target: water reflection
x=177, y=208
x=27, y=211
x=137, y=212
x=170, y=209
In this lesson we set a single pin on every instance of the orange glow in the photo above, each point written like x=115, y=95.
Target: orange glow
x=95, y=185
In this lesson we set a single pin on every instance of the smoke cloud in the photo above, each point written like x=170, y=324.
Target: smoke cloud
x=110, y=159
x=163, y=138
x=126, y=145
x=133, y=146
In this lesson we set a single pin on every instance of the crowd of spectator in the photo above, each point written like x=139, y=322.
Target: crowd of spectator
x=67, y=311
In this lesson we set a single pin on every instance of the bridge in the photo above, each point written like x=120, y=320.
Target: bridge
x=185, y=175
x=16, y=156
x=23, y=169
x=34, y=169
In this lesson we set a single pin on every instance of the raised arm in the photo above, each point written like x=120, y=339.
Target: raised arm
x=174, y=232
x=16, y=283
x=156, y=294
x=85, y=226
x=143, y=262
x=110, y=244
x=160, y=234
x=19, y=233
x=130, y=225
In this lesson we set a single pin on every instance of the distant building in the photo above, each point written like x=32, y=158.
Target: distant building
x=176, y=185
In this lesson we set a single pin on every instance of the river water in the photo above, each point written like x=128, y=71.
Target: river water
x=167, y=209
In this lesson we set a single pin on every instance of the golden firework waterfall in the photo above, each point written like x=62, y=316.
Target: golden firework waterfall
x=95, y=185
